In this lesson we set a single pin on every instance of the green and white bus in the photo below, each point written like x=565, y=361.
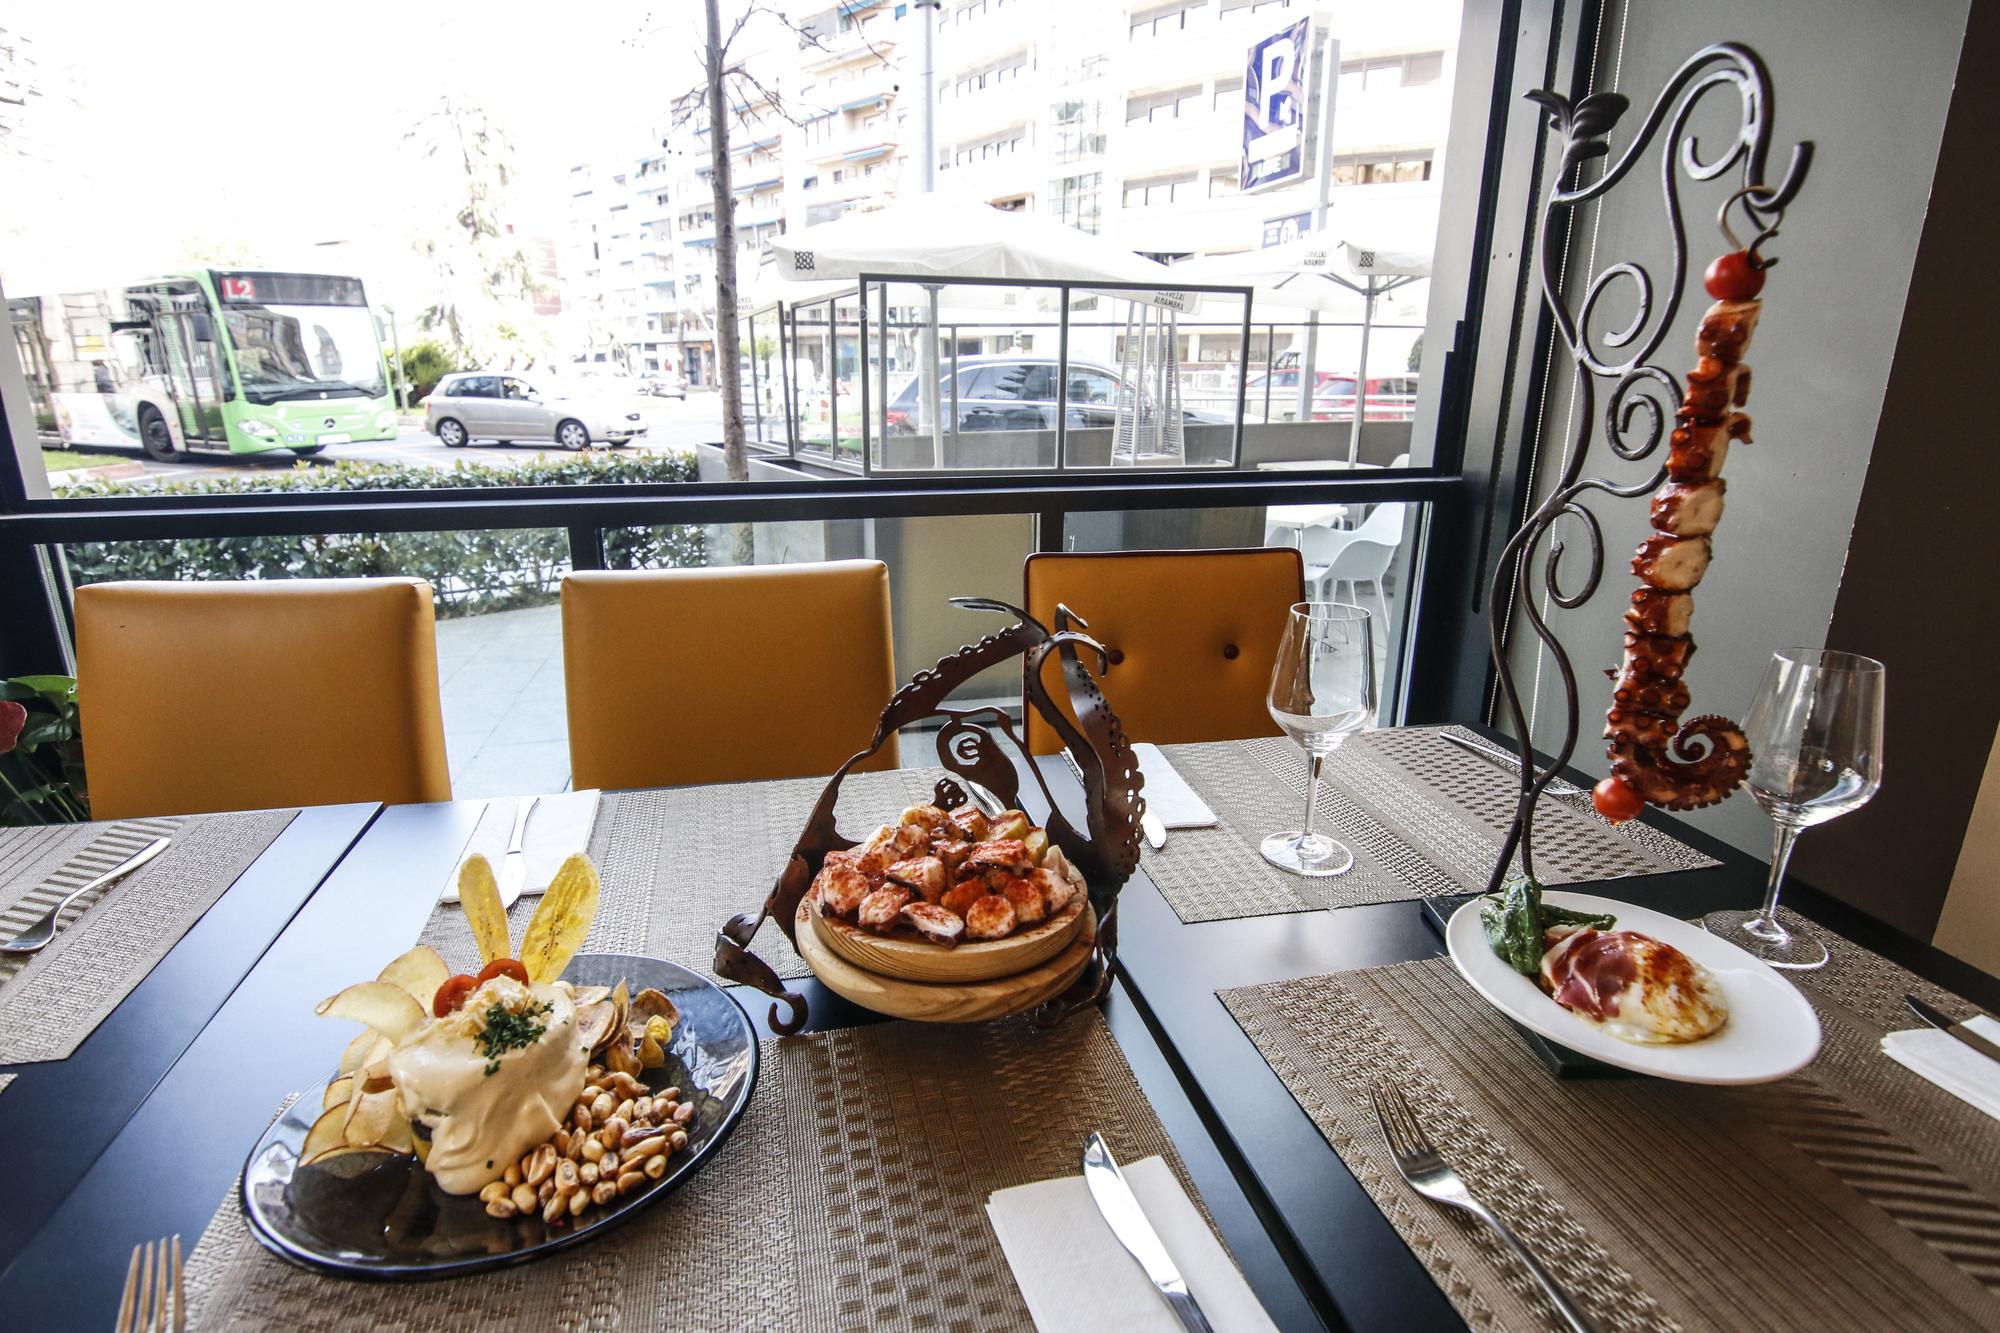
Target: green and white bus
x=209, y=362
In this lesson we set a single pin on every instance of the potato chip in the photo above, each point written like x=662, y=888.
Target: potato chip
x=337, y=1093
x=327, y=1133
x=383, y=1006
x=561, y=920
x=479, y=895
x=372, y=1119
x=420, y=972
x=362, y=1050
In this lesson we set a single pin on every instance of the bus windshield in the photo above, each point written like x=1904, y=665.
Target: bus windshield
x=305, y=351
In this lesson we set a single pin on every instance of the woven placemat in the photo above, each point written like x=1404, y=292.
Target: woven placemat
x=107, y=942
x=1852, y=1196
x=852, y=1195
x=1422, y=817
x=678, y=862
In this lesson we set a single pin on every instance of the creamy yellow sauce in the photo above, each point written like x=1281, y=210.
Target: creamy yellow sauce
x=480, y=1122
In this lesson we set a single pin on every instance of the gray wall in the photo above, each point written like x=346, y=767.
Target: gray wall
x=1869, y=83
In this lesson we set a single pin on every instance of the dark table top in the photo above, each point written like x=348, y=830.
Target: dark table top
x=199, y=1057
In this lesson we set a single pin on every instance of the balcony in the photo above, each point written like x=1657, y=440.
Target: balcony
x=845, y=49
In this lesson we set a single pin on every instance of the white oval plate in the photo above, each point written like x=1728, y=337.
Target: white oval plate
x=1772, y=1030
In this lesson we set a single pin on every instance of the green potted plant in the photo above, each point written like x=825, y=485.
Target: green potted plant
x=41, y=754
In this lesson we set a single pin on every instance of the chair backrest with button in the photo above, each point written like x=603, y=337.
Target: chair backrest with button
x=681, y=676
x=1192, y=636
x=200, y=697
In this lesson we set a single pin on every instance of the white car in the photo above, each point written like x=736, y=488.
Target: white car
x=505, y=408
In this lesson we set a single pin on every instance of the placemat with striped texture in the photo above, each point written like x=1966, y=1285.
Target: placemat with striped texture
x=1854, y=1195
x=678, y=862
x=852, y=1195
x=108, y=941
x=1422, y=816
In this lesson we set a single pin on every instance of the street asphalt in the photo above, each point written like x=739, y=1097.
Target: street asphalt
x=672, y=425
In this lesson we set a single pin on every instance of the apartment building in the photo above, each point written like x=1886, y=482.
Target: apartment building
x=1119, y=119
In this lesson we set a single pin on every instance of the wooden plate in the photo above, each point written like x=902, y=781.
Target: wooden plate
x=932, y=1002
x=912, y=958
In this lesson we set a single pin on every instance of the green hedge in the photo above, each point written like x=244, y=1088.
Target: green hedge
x=473, y=572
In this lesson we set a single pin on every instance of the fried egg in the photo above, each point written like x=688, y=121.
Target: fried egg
x=1634, y=987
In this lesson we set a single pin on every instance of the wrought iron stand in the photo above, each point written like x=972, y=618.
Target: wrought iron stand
x=1643, y=396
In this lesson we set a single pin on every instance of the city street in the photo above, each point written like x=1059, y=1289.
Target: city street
x=671, y=425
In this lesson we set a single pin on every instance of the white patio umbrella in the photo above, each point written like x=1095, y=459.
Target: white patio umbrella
x=934, y=241
x=1319, y=272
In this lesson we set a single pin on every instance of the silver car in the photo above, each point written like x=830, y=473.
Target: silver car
x=505, y=408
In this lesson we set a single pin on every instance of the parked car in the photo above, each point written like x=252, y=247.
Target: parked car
x=505, y=408
x=1019, y=393
x=1390, y=398
x=662, y=385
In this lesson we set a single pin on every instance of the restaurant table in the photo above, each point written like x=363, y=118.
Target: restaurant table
x=1352, y=1264
x=72, y=1110
x=1291, y=521
x=173, y=1161
x=1314, y=1247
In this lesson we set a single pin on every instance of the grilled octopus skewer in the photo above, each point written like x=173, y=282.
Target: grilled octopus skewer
x=1655, y=757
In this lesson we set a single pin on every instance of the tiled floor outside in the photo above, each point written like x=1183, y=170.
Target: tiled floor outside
x=502, y=678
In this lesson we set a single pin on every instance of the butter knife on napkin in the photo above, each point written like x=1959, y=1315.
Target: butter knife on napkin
x=1952, y=1055
x=1074, y=1276
x=530, y=838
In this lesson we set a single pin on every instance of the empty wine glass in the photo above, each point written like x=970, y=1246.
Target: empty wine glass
x=1815, y=735
x=1322, y=691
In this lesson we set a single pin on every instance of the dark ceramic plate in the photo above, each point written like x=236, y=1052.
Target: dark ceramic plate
x=383, y=1217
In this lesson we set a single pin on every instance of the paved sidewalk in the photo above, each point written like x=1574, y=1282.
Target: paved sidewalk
x=504, y=718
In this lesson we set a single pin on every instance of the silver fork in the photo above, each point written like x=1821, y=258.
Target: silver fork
x=1433, y=1177
x=145, y=1307
x=36, y=937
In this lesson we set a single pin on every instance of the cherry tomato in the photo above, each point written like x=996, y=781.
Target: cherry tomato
x=1734, y=277
x=1616, y=800
x=451, y=994
x=503, y=967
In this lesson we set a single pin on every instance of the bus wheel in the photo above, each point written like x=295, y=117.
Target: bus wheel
x=451, y=433
x=572, y=436
x=308, y=451
x=156, y=436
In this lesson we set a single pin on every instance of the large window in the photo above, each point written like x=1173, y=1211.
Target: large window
x=1077, y=201
x=1154, y=108
x=1154, y=191
x=1166, y=21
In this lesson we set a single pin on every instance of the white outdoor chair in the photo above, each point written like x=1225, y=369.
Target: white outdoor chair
x=1363, y=555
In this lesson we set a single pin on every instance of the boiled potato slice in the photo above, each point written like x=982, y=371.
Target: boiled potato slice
x=479, y=895
x=383, y=1006
x=561, y=920
x=1038, y=843
x=1010, y=824
x=420, y=972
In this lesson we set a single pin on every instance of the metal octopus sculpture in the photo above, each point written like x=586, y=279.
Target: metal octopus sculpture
x=1654, y=757
x=972, y=745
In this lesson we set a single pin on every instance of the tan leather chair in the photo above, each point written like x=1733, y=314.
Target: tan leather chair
x=243, y=696
x=1192, y=636
x=681, y=676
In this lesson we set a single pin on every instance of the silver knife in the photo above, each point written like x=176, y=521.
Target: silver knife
x=1128, y=1223
x=1508, y=760
x=1150, y=824
x=1943, y=1022
x=514, y=866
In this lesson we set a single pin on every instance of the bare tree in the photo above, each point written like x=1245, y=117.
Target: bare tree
x=725, y=71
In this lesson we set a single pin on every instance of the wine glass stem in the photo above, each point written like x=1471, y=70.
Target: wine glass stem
x=1313, y=761
x=1781, y=856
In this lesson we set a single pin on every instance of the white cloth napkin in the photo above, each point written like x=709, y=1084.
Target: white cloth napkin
x=1167, y=792
x=1950, y=1063
x=1077, y=1278
x=557, y=827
